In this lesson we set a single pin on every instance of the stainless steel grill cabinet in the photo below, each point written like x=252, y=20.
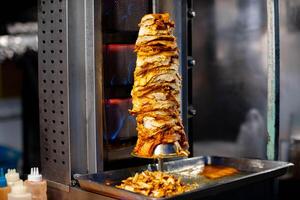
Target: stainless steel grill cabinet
x=85, y=77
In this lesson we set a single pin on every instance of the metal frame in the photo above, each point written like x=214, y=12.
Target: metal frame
x=190, y=64
x=54, y=91
x=99, y=85
x=273, y=79
x=68, y=97
x=82, y=86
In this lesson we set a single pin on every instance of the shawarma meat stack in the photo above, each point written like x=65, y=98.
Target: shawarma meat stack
x=156, y=89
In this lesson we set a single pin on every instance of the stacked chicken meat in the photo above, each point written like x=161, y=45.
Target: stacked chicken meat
x=156, y=90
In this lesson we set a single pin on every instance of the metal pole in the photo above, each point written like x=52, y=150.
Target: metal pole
x=273, y=78
x=154, y=6
x=160, y=164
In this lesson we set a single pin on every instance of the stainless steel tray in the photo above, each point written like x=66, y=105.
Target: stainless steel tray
x=251, y=171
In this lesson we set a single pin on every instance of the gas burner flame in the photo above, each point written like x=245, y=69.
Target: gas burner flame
x=117, y=116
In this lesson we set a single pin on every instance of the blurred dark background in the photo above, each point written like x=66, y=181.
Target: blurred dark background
x=19, y=115
x=17, y=11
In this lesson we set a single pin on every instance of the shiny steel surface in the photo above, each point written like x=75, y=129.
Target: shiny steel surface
x=163, y=151
x=230, y=78
x=82, y=86
x=289, y=74
x=251, y=171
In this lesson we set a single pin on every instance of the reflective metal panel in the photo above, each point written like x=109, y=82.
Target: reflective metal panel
x=82, y=85
x=290, y=77
x=230, y=79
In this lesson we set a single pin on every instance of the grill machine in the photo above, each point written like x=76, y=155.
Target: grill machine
x=85, y=77
x=86, y=62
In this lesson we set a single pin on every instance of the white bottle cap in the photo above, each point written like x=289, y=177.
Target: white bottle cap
x=34, y=175
x=18, y=188
x=12, y=176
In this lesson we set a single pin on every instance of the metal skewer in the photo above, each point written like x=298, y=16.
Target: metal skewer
x=154, y=6
x=162, y=151
x=160, y=164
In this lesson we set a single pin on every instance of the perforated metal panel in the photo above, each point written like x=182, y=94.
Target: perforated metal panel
x=53, y=90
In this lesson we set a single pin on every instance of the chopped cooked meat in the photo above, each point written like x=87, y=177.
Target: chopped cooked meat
x=155, y=184
x=156, y=89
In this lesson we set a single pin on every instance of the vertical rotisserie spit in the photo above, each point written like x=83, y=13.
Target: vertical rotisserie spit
x=156, y=89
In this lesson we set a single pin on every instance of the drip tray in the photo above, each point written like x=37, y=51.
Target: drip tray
x=189, y=169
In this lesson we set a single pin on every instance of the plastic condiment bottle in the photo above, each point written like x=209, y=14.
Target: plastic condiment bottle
x=19, y=192
x=4, y=190
x=12, y=177
x=36, y=185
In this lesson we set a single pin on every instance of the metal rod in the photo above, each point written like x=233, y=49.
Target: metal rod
x=273, y=78
x=154, y=6
x=160, y=164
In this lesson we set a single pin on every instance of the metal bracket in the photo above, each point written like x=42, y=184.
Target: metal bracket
x=191, y=62
x=191, y=14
